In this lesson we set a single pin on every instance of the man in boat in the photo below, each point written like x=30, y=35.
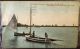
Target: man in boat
x=33, y=34
x=30, y=34
x=46, y=37
x=23, y=32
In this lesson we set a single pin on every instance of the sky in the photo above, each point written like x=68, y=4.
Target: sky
x=42, y=13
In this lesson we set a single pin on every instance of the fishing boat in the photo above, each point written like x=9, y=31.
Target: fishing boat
x=38, y=40
x=21, y=34
x=13, y=25
x=41, y=39
x=33, y=38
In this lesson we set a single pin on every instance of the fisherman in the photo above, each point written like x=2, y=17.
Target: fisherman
x=23, y=32
x=30, y=34
x=33, y=34
x=46, y=37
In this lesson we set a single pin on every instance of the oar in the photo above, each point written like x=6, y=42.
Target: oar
x=55, y=40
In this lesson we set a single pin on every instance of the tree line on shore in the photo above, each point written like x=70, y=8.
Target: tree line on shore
x=33, y=25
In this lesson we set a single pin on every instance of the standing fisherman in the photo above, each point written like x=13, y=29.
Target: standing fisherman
x=23, y=32
x=33, y=34
x=46, y=37
x=30, y=34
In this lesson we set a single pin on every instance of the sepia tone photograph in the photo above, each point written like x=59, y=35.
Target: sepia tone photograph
x=40, y=24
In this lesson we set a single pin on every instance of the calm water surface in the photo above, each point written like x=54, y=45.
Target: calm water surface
x=69, y=35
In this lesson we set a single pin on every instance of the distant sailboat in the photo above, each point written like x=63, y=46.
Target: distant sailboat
x=13, y=26
x=10, y=29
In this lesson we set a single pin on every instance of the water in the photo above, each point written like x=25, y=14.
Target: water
x=69, y=35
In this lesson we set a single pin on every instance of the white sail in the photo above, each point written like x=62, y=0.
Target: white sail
x=10, y=29
x=13, y=24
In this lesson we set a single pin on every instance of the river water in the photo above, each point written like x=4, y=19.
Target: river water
x=68, y=35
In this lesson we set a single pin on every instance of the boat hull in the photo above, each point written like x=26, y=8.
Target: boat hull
x=21, y=34
x=38, y=40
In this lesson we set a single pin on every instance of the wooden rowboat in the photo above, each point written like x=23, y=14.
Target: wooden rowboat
x=40, y=39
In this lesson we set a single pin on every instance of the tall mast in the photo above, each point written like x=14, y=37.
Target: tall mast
x=79, y=29
x=30, y=17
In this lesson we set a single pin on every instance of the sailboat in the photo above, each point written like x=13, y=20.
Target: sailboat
x=13, y=26
x=33, y=38
x=41, y=39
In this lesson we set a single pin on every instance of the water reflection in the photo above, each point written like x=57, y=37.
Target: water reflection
x=13, y=41
x=47, y=45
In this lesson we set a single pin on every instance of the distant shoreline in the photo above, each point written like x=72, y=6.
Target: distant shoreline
x=53, y=26
x=45, y=26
